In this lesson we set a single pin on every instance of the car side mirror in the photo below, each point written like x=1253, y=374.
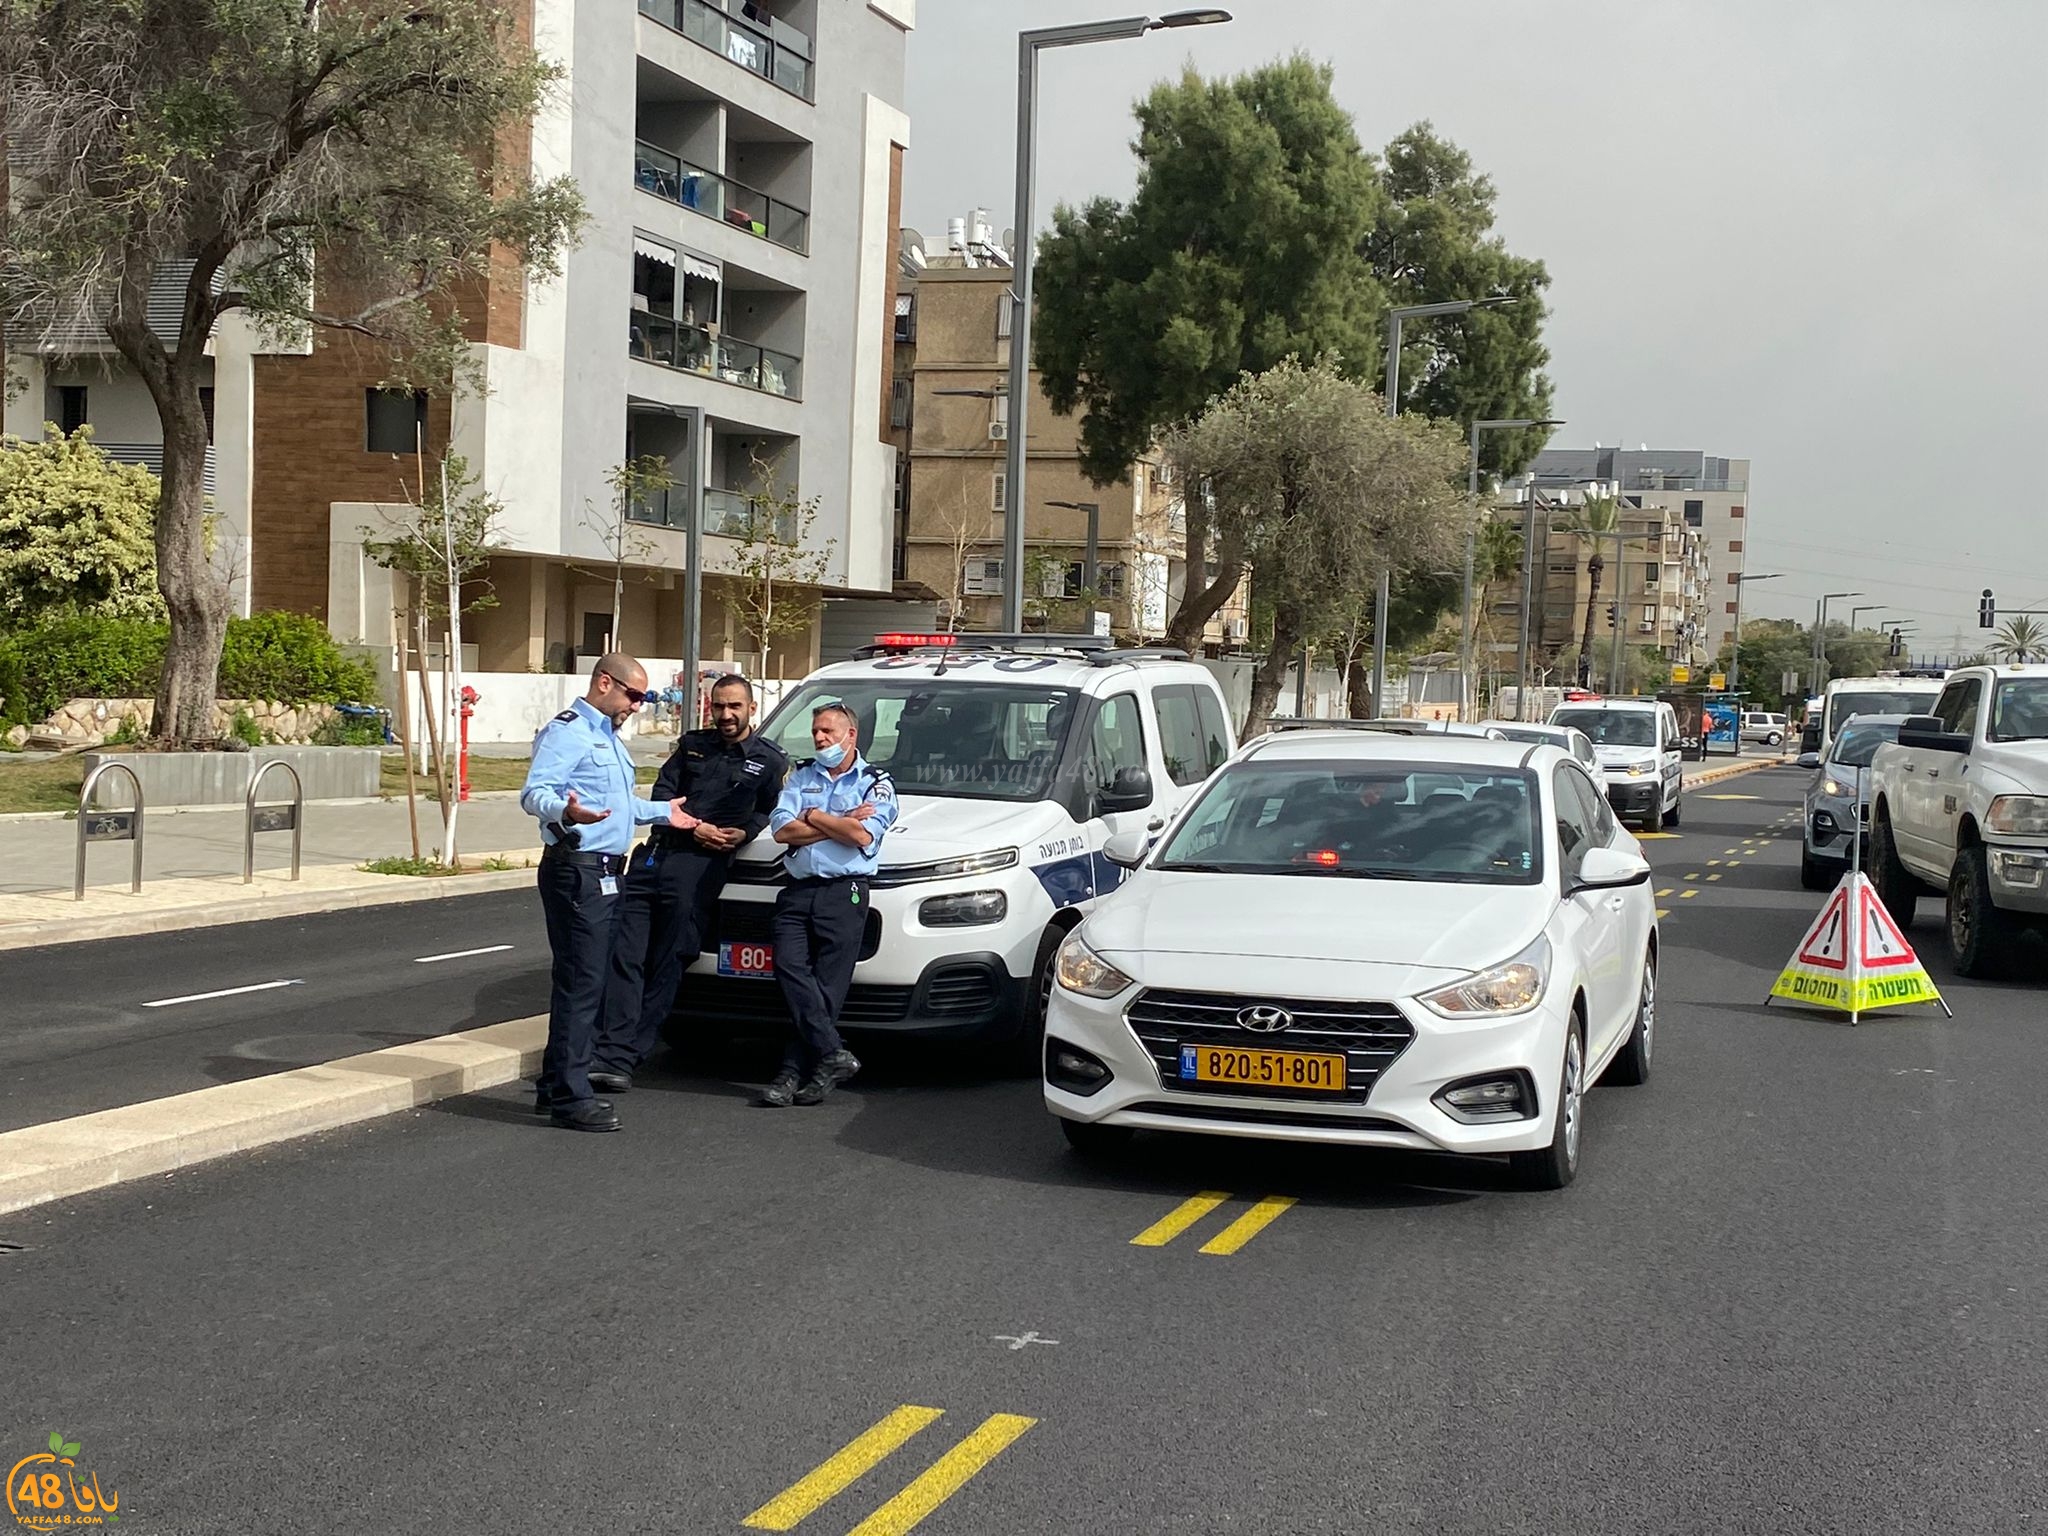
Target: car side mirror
x=1126, y=850
x=1930, y=733
x=1809, y=759
x=1611, y=868
x=1130, y=790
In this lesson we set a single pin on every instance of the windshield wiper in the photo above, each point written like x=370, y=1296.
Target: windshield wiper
x=1362, y=872
x=1207, y=869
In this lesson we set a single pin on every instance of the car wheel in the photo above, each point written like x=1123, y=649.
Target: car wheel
x=1631, y=1064
x=1024, y=1052
x=1556, y=1165
x=1980, y=937
x=1677, y=806
x=1814, y=875
x=1896, y=887
x=1096, y=1140
x=1773, y=739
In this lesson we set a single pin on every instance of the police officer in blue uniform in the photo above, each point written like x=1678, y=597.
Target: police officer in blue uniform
x=580, y=786
x=832, y=815
x=728, y=779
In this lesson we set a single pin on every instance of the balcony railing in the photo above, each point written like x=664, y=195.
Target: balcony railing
x=720, y=197
x=776, y=52
x=727, y=514
x=692, y=349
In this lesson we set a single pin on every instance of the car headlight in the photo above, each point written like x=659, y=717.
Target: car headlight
x=946, y=869
x=2019, y=815
x=1835, y=789
x=1513, y=986
x=964, y=909
x=1082, y=970
x=1635, y=770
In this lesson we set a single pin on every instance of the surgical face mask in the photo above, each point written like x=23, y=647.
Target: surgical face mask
x=832, y=754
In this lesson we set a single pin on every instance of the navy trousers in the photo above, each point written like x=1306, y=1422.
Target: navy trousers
x=819, y=925
x=579, y=922
x=664, y=906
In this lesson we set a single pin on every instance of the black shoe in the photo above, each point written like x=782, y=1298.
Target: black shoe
x=611, y=1082
x=591, y=1115
x=781, y=1093
x=544, y=1107
x=830, y=1073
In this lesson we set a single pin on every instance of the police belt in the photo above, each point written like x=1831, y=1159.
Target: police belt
x=677, y=840
x=604, y=863
x=805, y=882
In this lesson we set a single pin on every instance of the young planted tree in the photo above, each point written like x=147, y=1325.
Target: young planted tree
x=437, y=544
x=75, y=531
x=1316, y=489
x=777, y=566
x=2021, y=639
x=217, y=148
x=635, y=483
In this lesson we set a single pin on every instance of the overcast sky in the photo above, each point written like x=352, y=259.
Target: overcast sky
x=1810, y=233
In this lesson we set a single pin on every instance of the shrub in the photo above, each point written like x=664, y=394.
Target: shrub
x=282, y=656
x=342, y=731
x=245, y=729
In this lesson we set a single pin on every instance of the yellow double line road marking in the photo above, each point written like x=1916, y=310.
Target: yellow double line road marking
x=869, y=1449
x=1233, y=1237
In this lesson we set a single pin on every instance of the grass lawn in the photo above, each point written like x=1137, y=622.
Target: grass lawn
x=484, y=773
x=40, y=784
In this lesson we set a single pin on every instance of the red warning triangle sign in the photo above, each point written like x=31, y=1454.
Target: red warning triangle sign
x=1826, y=944
x=1879, y=944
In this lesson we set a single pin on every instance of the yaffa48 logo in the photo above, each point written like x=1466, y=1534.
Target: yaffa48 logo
x=47, y=1491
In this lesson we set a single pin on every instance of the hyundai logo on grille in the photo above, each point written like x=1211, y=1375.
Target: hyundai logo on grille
x=1265, y=1018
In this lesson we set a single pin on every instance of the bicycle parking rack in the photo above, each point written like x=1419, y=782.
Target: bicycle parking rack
x=272, y=818
x=108, y=827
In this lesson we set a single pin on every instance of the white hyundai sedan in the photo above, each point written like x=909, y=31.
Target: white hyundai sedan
x=1421, y=942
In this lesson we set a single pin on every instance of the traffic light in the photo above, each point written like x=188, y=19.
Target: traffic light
x=1987, y=610
x=1898, y=642
x=1613, y=614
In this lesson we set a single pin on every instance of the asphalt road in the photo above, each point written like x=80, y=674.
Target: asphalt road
x=117, y=1021
x=1797, y=1288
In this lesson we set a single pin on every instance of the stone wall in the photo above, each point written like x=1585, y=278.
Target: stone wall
x=89, y=722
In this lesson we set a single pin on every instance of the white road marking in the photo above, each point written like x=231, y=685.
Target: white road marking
x=460, y=954
x=207, y=997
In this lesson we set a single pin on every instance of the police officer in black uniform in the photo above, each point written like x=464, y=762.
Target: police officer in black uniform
x=727, y=779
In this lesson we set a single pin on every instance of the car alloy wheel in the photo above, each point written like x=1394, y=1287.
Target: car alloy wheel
x=1570, y=1095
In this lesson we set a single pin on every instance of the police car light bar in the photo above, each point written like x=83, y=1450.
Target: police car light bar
x=915, y=642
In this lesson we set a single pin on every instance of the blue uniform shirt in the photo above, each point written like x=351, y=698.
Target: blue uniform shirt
x=811, y=788
x=580, y=750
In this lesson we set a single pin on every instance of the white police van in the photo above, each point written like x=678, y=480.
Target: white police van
x=1014, y=758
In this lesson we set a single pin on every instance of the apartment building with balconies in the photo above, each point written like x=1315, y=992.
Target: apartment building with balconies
x=741, y=162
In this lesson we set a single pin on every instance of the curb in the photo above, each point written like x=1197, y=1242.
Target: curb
x=41, y=1163
x=256, y=909
x=1732, y=770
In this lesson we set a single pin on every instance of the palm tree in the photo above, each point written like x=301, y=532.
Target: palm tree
x=1595, y=520
x=2022, y=640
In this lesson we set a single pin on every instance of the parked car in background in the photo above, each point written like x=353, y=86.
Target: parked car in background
x=1838, y=799
x=1641, y=756
x=1761, y=728
x=1568, y=737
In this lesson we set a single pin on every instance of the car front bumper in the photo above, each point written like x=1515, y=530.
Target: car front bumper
x=2019, y=876
x=1396, y=1112
x=1635, y=797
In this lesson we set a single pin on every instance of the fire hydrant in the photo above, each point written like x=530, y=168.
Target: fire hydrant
x=470, y=700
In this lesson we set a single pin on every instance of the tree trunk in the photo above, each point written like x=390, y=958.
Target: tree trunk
x=1271, y=674
x=1594, y=567
x=195, y=591
x=1201, y=599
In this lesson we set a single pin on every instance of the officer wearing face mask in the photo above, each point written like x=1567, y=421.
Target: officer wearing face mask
x=831, y=816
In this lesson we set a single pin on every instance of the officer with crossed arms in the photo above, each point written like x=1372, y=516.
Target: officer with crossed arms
x=832, y=815
x=581, y=787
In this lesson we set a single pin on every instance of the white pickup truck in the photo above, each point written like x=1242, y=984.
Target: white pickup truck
x=1959, y=806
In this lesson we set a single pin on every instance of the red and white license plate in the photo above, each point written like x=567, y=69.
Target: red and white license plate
x=756, y=960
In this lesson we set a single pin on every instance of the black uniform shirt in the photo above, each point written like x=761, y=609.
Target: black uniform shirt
x=731, y=785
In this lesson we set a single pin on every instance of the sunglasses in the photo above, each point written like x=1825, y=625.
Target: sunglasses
x=638, y=696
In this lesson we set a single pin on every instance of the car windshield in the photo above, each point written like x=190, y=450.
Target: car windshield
x=2019, y=711
x=1856, y=746
x=1379, y=821
x=1612, y=727
x=972, y=741
x=1845, y=706
x=1534, y=734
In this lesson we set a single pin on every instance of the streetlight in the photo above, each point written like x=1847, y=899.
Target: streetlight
x=1383, y=594
x=1472, y=538
x=1735, y=645
x=1089, y=562
x=1820, y=630
x=1028, y=44
x=1863, y=608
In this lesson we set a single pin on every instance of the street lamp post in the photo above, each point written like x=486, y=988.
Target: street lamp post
x=1862, y=608
x=1735, y=646
x=1820, y=637
x=1383, y=593
x=1472, y=540
x=1090, y=561
x=1528, y=596
x=1028, y=45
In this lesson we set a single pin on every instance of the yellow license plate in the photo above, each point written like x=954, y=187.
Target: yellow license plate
x=1261, y=1069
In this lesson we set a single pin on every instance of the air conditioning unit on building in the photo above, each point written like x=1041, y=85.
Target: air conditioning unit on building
x=1647, y=626
x=998, y=431
x=1235, y=629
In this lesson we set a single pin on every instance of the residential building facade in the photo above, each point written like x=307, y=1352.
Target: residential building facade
x=741, y=162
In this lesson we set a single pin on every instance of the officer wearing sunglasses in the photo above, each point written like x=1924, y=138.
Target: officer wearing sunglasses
x=581, y=787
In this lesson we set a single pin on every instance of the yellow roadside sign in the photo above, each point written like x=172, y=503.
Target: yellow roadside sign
x=1718, y=681
x=1681, y=673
